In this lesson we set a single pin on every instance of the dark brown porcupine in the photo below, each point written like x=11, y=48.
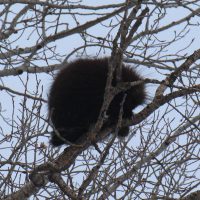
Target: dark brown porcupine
x=76, y=97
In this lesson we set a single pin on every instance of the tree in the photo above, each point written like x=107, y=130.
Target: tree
x=160, y=158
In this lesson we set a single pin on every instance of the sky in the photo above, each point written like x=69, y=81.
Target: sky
x=66, y=45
